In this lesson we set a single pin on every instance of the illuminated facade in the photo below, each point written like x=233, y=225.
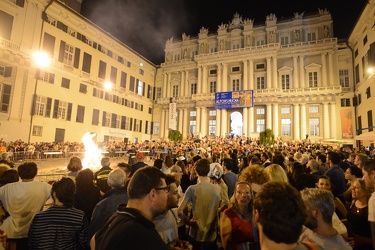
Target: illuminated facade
x=302, y=77
x=68, y=98
x=362, y=41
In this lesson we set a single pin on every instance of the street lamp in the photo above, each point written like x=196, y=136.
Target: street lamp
x=41, y=60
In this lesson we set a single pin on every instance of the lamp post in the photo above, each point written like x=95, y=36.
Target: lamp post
x=41, y=60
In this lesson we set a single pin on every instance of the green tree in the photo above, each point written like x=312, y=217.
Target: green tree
x=174, y=135
x=267, y=137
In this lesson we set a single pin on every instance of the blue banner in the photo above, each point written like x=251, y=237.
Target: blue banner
x=234, y=99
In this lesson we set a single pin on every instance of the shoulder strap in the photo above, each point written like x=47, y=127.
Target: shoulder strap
x=310, y=245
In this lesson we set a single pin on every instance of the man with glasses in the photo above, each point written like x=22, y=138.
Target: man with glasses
x=131, y=227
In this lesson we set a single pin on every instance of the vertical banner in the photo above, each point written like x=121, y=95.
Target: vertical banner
x=346, y=123
x=172, y=113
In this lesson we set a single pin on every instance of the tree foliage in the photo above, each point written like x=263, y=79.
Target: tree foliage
x=267, y=137
x=174, y=135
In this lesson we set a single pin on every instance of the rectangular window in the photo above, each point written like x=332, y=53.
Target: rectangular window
x=83, y=88
x=285, y=81
x=102, y=69
x=344, y=78
x=285, y=127
x=261, y=84
x=193, y=88
x=212, y=127
x=345, y=102
x=40, y=105
x=284, y=40
x=193, y=113
x=113, y=77
x=86, y=65
x=260, y=111
x=156, y=128
x=236, y=84
x=369, y=119
x=260, y=66
x=68, y=54
x=213, y=71
x=314, y=126
x=48, y=77
x=132, y=83
x=37, y=130
x=123, y=79
x=139, y=87
x=314, y=109
x=313, y=79
x=5, y=98
x=80, y=114
x=236, y=69
x=65, y=83
x=261, y=125
x=95, y=117
x=212, y=113
x=192, y=126
x=127, y=123
x=141, y=72
x=212, y=87
x=175, y=91
x=158, y=92
x=311, y=36
x=368, y=92
x=285, y=110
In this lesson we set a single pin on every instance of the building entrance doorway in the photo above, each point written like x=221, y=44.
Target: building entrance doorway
x=236, y=123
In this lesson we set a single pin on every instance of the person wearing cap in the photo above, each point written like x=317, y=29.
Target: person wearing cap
x=216, y=174
x=140, y=157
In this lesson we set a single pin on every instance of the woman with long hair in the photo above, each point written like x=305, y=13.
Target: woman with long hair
x=86, y=193
x=237, y=229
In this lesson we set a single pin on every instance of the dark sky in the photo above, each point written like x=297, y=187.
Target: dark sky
x=145, y=25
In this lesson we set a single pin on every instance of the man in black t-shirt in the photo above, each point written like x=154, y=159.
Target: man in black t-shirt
x=131, y=227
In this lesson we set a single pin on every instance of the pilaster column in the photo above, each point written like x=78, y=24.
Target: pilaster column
x=275, y=119
x=182, y=84
x=269, y=116
x=218, y=122
x=296, y=123
x=204, y=121
x=185, y=125
x=187, y=85
x=251, y=120
x=324, y=69
x=331, y=69
x=245, y=123
x=251, y=77
x=204, y=80
x=301, y=72
x=219, y=85
x=225, y=78
x=199, y=87
x=162, y=124
x=180, y=119
x=274, y=74
x=303, y=120
x=169, y=92
x=245, y=77
x=333, y=120
x=224, y=122
x=269, y=74
x=326, y=130
x=295, y=73
x=198, y=119
x=165, y=79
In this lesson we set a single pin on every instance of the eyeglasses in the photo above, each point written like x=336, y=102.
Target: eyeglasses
x=164, y=188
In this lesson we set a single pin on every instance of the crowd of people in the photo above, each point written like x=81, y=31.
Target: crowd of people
x=213, y=193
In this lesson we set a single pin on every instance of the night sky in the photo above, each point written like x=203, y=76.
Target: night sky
x=145, y=25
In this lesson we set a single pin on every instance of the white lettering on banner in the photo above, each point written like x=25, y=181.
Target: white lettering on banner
x=117, y=133
x=172, y=115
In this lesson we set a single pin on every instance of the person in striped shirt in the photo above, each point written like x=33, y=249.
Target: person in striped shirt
x=61, y=226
